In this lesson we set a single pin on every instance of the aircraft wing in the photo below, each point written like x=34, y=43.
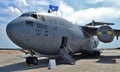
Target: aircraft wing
x=93, y=31
x=93, y=23
x=105, y=29
x=89, y=30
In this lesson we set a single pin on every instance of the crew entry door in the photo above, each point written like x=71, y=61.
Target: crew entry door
x=64, y=42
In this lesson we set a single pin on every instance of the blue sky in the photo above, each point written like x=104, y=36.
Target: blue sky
x=77, y=11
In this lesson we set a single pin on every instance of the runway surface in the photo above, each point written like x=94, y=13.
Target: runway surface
x=109, y=61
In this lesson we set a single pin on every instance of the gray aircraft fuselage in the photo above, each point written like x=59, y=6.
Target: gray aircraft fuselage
x=47, y=33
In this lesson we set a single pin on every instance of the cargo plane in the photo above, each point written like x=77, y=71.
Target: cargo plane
x=50, y=34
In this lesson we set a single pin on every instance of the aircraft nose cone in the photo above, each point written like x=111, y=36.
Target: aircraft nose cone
x=14, y=30
x=11, y=30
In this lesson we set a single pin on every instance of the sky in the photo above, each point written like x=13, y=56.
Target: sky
x=76, y=11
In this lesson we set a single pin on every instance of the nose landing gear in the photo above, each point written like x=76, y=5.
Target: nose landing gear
x=32, y=59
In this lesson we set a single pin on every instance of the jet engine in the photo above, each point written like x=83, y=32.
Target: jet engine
x=105, y=34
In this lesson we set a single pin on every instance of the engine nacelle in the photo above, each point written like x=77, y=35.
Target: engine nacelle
x=105, y=34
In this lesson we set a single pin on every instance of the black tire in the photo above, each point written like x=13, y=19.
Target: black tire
x=35, y=60
x=97, y=53
x=31, y=60
x=28, y=60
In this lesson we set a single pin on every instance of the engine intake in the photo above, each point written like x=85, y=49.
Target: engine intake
x=105, y=34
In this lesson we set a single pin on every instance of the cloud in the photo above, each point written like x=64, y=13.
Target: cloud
x=35, y=5
x=12, y=11
x=38, y=2
x=105, y=2
x=43, y=2
x=20, y=3
x=64, y=9
x=115, y=3
x=24, y=2
x=94, y=1
x=80, y=16
x=87, y=15
x=9, y=13
x=99, y=14
x=2, y=19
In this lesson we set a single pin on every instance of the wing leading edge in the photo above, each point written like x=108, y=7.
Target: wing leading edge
x=91, y=30
x=93, y=23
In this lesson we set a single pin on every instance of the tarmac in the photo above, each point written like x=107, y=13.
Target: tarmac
x=109, y=61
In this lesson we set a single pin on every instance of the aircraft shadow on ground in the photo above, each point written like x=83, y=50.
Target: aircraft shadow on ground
x=21, y=66
x=101, y=59
x=108, y=59
x=44, y=63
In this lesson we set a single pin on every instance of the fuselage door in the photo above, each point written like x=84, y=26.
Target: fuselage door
x=64, y=42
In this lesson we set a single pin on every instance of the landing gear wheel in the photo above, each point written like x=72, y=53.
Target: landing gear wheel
x=35, y=60
x=31, y=61
x=97, y=53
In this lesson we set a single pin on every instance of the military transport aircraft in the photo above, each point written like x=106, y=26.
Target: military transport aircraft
x=50, y=34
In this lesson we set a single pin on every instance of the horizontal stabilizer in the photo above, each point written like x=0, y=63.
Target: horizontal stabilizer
x=93, y=23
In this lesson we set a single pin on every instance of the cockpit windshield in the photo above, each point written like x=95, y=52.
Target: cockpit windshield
x=34, y=16
x=25, y=15
x=29, y=15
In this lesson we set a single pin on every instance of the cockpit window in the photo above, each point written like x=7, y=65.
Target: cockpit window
x=42, y=17
x=25, y=15
x=28, y=15
x=34, y=16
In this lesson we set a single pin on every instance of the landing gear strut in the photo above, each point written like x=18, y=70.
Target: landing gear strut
x=31, y=60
